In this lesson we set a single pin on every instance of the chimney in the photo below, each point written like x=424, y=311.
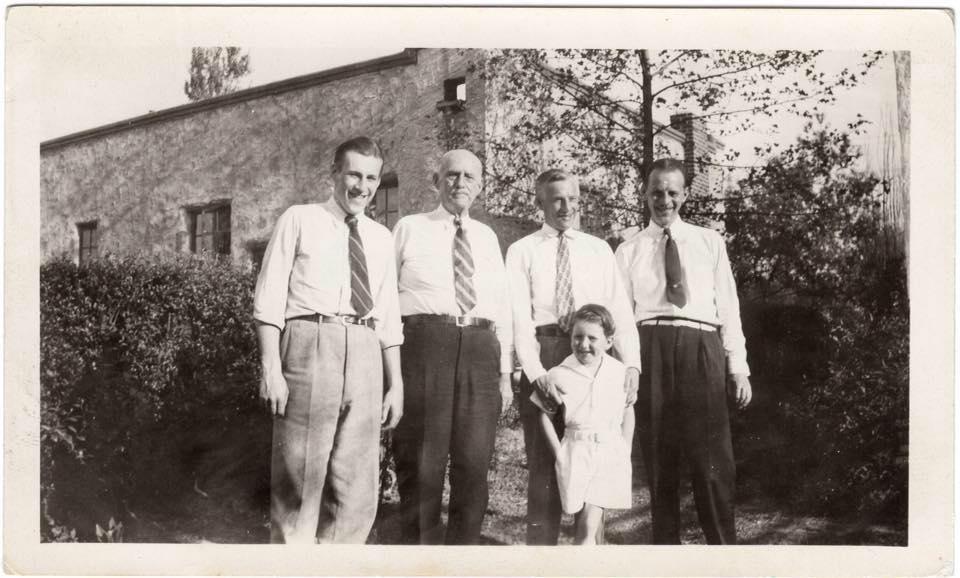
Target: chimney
x=698, y=146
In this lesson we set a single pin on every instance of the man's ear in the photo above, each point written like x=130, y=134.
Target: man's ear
x=436, y=180
x=333, y=169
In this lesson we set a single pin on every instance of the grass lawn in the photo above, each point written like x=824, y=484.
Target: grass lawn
x=229, y=505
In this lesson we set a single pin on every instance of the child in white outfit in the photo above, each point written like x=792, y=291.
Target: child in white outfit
x=593, y=460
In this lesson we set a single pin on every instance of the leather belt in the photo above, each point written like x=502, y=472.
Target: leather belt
x=680, y=322
x=459, y=321
x=551, y=330
x=338, y=319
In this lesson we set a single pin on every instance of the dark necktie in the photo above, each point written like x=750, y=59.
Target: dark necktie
x=463, y=269
x=564, y=288
x=360, y=296
x=674, y=272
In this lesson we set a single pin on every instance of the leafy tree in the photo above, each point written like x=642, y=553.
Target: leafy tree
x=215, y=71
x=598, y=107
x=804, y=224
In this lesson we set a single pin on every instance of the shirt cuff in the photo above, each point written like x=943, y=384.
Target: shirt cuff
x=536, y=374
x=390, y=340
x=737, y=364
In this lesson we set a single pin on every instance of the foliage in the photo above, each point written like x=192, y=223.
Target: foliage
x=132, y=349
x=805, y=229
x=595, y=111
x=802, y=224
x=215, y=71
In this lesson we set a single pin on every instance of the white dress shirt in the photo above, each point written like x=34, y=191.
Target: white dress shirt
x=532, y=270
x=707, y=282
x=424, y=250
x=306, y=270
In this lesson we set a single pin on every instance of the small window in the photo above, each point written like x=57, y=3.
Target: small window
x=209, y=229
x=88, y=241
x=455, y=89
x=385, y=208
x=454, y=95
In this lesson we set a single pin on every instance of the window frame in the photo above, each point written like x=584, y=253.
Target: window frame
x=87, y=253
x=220, y=238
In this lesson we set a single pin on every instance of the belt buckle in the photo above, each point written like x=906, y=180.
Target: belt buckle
x=462, y=321
x=341, y=319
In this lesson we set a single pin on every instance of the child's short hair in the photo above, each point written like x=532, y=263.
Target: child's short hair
x=593, y=313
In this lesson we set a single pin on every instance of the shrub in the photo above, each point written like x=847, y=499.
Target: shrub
x=131, y=348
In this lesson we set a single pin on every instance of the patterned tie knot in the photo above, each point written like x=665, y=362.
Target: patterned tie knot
x=351, y=221
x=457, y=222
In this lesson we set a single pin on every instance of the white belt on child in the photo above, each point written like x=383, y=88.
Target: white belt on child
x=592, y=435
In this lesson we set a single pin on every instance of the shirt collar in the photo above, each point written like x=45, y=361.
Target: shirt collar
x=336, y=210
x=446, y=216
x=551, y=232
x=574, y=365
x=656, y=230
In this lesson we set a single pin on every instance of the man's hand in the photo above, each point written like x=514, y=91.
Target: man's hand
x=742, y=392
x=273, y=389
x=631, y=385
x=549, y=394
x=506, y=393
x=392, y=408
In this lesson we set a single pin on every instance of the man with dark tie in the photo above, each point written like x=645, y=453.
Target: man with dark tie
x=553, y=272
x=685, y=302
x=328, y=324
x=457, y=357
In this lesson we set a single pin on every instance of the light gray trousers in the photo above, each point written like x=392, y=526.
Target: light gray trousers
x=326, y=448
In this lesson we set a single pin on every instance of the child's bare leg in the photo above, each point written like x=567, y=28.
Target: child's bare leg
x=588, y=522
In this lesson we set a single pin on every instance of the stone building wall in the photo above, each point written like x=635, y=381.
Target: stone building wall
x=266, y=148
x=263, y=154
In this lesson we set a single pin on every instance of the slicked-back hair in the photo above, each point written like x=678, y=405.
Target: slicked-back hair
x=361, y=145
x=556, y=175
x=593, y=313
x=667, y=165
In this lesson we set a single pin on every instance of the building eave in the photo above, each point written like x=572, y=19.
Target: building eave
x=405, y=58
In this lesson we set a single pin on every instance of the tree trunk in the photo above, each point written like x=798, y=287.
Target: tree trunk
x=901, y=62
x=647, y=128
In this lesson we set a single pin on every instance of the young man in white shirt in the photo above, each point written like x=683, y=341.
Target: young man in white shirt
x=328, y=323
x=684, y=299
x=457, y=357
x=552, y=272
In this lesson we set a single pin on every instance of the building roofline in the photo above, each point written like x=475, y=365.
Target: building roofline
x=405, y=58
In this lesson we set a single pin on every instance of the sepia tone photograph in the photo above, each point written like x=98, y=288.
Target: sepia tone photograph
x=422, y=295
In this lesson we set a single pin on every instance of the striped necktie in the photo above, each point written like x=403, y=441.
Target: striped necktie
x=463, y=269
x=565, y=305
x=674, y=273
x=360, y=297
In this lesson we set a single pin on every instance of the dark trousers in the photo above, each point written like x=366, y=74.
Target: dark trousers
x=682, y=411
x=543, y=497
x=451, y=404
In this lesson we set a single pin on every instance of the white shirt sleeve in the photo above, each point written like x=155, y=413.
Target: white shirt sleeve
x=626, y=340
x=270, y=297
x=728, y=310
x=524, y=332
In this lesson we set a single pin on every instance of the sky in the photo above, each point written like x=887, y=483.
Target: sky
x=97, y=84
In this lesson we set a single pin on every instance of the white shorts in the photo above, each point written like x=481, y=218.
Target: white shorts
x=594, y=469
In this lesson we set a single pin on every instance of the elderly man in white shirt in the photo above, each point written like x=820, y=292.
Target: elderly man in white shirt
x=553, y=272
x=685, y=302
x=457, y=357
x=328, y=324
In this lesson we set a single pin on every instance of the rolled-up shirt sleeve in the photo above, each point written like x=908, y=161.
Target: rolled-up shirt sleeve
x=728, y=311
x=273, y=284
x=524, y=332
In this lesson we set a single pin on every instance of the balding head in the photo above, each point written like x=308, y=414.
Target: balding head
x=459, y=180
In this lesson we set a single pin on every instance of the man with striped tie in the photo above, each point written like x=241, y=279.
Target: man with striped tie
x=685, y=302
x=328, y=323
x=457, y=357
x=553, y=272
